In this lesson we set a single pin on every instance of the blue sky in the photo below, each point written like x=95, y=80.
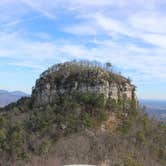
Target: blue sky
x=130, y=34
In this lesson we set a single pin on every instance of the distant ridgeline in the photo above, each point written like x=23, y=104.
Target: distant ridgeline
x=81, y=77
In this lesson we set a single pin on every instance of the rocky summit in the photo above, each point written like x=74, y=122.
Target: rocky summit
x=81, y=77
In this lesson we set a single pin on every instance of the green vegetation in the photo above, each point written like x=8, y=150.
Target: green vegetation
x=128, y=161
x=35, y=131
x=70, y=128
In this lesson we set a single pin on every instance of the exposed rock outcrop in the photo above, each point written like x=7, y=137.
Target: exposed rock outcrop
x=73, y=76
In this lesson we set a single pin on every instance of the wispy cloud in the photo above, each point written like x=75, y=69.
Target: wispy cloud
x=131, y=34
x=40, y=7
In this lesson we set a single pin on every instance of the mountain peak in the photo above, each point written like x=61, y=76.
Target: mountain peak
x=82, y=77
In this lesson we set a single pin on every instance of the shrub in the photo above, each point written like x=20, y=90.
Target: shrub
x=161, y=153
x=128, y=161
x=45, y=147
x=90, y=99
x=125, y=126
x=111, y=104
x=3, y=139
x=87, y=120
x=140, y=137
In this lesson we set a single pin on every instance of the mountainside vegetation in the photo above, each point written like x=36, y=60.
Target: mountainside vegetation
x=80, y=126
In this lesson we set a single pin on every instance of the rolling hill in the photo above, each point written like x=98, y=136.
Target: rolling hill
x=155, y=108
x=7, y=97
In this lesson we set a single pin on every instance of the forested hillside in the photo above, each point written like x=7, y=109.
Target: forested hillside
x=80, y=113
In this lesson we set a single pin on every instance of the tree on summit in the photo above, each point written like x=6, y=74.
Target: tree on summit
x=108, y=66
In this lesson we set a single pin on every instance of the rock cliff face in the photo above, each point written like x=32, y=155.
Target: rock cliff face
x=76, y=77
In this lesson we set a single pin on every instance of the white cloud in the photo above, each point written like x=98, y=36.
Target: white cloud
x=82, y=29
x=151, y=22
x=155, y=39
x=130, y=34
x=36, y=54
x=41, y=7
